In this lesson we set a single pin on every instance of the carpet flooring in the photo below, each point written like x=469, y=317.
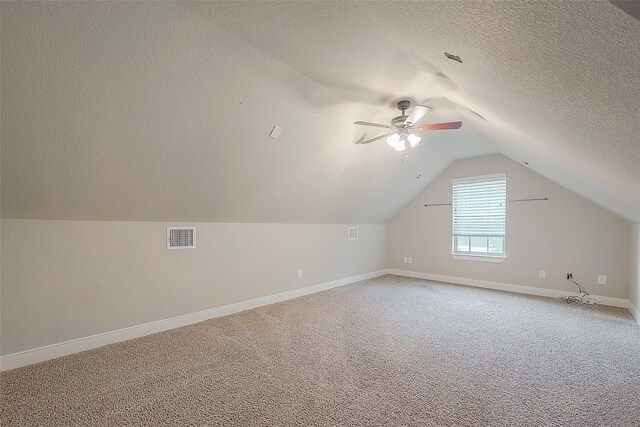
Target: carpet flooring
x=388, y=351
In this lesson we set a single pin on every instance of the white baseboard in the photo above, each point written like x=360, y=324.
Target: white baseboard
x=48, y=352
x=530, y=290
x=634, y=312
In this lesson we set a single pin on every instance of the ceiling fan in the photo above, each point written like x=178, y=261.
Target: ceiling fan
x=402, y=127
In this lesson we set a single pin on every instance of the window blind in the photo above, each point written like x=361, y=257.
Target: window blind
x=479, y=206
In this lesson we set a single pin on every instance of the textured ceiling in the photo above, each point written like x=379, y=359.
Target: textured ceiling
x=158, y=111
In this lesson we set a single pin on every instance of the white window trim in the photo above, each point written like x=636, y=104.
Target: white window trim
x=479, y=177
x=498, y=258
x=482, y=258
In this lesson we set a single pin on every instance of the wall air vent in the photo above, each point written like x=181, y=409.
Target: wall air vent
x=181, y=238
x=353, y=233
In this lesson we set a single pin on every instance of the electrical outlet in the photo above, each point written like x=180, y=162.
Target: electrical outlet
x=569, y=276
x=602, y=279
x=409, y=261
x=299, y=274
x=542, y=274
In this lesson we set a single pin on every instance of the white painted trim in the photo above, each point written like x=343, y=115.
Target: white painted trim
x=634, y=312
x=530, y=290
x=41, y=354
x=487, y=177
x=481, y=258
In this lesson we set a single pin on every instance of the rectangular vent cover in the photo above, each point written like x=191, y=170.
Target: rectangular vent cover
x=181, y=237
x=353, y=233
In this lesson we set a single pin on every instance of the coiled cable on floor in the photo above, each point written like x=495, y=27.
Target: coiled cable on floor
x=576, y=298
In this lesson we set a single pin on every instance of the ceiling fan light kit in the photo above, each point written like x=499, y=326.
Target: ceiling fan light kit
x=402, y=127
x=399, y=140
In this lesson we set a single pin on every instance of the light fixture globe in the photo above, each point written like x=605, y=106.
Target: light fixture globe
x=413, y=140
x=401, y=145
x=393, y=140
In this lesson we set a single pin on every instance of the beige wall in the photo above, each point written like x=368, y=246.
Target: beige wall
x=69, y=279
x=565, y=234
x=634, y=293
x=147, y=111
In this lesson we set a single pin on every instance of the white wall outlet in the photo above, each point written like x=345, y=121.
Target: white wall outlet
x=299, y=274
x=409, y=261
x=542, y=274
x=602, y=279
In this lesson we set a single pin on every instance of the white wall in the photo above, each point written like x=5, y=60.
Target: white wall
x=145, y=111
x=565, y=234
x=63, y=280
x=634, y=291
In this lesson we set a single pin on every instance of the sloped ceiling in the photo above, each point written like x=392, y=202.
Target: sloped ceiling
x=158, y=111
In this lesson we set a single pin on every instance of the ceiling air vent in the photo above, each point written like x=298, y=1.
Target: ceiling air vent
x=453, y=57
x=181, y=237
x=353, y=233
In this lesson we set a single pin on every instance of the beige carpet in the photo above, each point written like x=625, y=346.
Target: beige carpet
x=388, y=351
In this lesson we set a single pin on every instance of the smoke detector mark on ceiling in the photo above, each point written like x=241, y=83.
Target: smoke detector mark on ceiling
x=275, y=132
x=453, y=57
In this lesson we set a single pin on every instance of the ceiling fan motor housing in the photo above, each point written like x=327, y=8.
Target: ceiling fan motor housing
x=398, y=121
x=403, y=105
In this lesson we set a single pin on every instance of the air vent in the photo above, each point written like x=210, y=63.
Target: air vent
x=353, y=233
x=181, y=238
x=275, y=132
x=453, y=57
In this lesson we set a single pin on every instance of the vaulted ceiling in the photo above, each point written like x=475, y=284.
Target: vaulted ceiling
x=161, y=111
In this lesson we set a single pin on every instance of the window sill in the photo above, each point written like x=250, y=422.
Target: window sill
x=482, y=258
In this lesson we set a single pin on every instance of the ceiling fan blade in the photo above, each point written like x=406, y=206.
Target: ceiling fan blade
x=369, y=141
x=377, y=125
x=416, y=115
x=440, y=126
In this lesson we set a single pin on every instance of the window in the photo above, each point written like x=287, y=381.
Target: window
x=479, y=215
